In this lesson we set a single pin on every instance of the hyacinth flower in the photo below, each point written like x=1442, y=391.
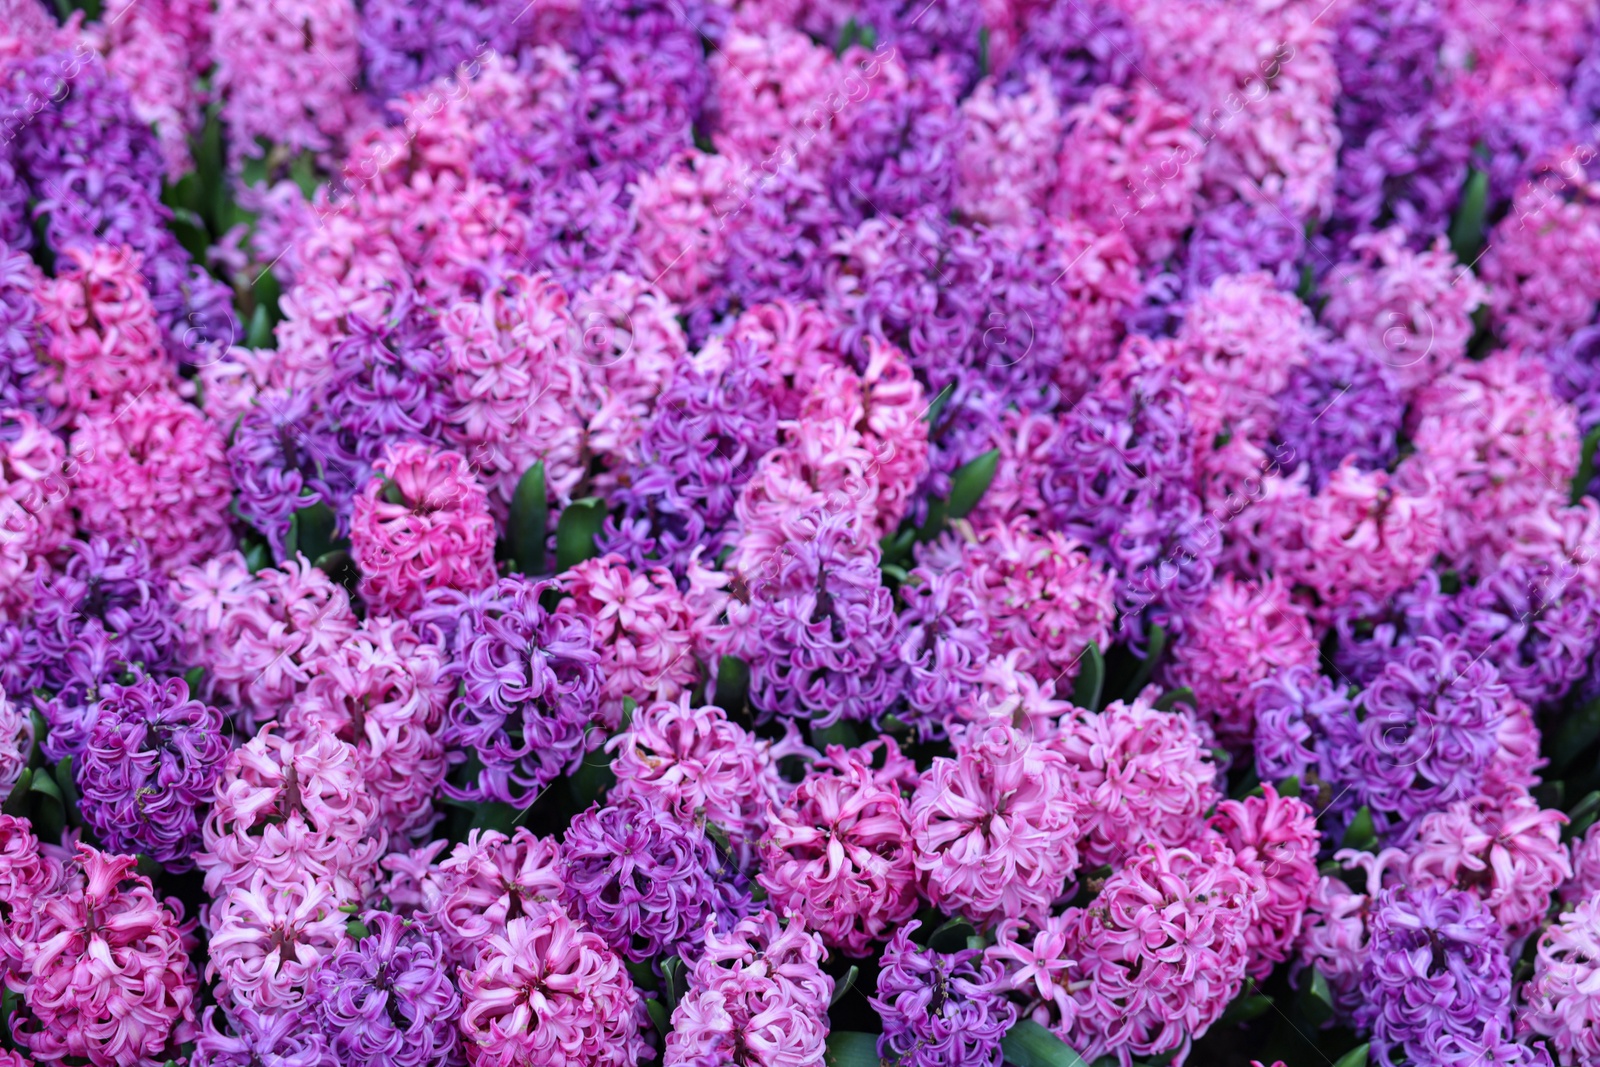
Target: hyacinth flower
x=940, y=1008
x=758, y=993
x=424, y=524
x=838, y=855
x=640, y=879
x=137, y=1007
x=926, y=396
x=150, y=769
x=529, y=687
x=547, y=990
x=987, y=868
x=483, y=883
x=1462, y=1007
x=702, y=766
x=389, y=997
x=1105, y=984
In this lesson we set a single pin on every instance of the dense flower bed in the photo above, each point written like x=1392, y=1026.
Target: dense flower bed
x=775, y=533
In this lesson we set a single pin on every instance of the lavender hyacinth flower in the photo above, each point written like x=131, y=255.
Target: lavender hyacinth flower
x=1121, y=481
x=1408, y=172
x=1305, y=727
x=1081, y=45
x=1405, y=151
x=408, y=44
x=388, y=1000
x=640, y=879
x=20, y=340
x=939, y=1009
x=105, y=605
x=529, y=685
x=1387, y=52
x=698, y=450
x=828, y=632
x=284, y=457
x=1436, y=985
x=899, y=151
x=645, y=80
x=1366, y=632
x=1242, y=237
x=239, y=1036
x=1536, y=622
x=1575, y=376
x=777, y=244
x=149, y=768
x=15, y=230
x=387, y=382
x=1428, y=732
x=944, y=646
x=94, y=170
x=1340, y=403
x=922, y=29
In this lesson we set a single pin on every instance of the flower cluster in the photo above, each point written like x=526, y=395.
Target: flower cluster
x=727, y=533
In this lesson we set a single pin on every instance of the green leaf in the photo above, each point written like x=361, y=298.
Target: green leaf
x=592, y=780
x=1173, y=697
x=530, y=521
x=951, y=935
x=1090, y=684
x=303, y=172
x=660, y=1017
x=1027, y=1044
x=257, y=557
x=17, y=802
x=849, y=34
x=852, y=1048
x=193, y=677
x=265, y=314
x=840, y=733
x=733, y=684
x=356, y=929
x=260, y=330
x=41, y=730
x=938, y=516
x=983, y=52
x=1290, y=786
x=897, y=546
x=313, y=532
x=1466, y=230
x=45, y=786
x=1317, y=999
x=8, y=1004
x=493, y=815
x=1583, y=815
x=1361, y=835
x=937, y=405
x=1581, y=480
x=339, y=567
x=970, y=481
x=1147, y=667
x=1575, y=733
x=1244, y=1008
x=69, y=790
x=1356, y=1057
x=671, y=980
x=575, y=531
x=843, y=985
